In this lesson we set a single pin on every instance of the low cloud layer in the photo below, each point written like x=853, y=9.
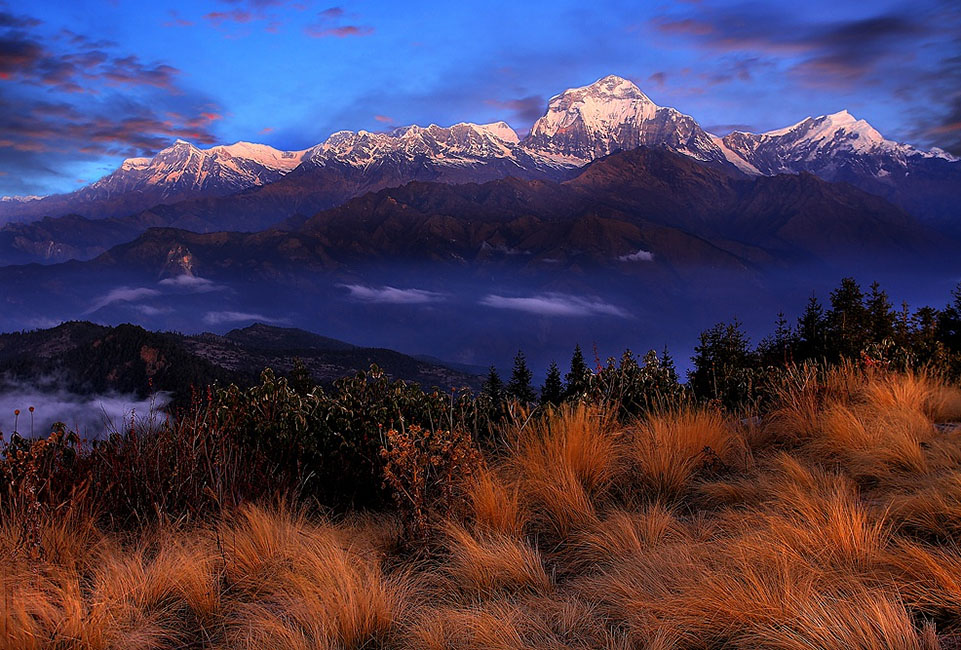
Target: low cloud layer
x=640, y=256
x=191, y=284
x=392, y=295
x=90, y=415
x=227, y=317
x=555, y=304
x=122, y=294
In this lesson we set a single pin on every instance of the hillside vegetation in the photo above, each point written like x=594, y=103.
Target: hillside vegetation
x=770, y=502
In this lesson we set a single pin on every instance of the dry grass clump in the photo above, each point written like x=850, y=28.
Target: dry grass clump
x=496, y=505
x=877, y=428
x=668, y=450
x=931, y=511
x=259, y=579
x=831, y=523
x=324, y=588
x=519, y=624
x=492, y=563
x=624, y=532
x=563, y=465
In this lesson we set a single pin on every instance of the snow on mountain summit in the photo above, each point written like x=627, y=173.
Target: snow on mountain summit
x=613, y=114
x=823, y=145
x=460, y=144
x=183, y=169
x=580, y=125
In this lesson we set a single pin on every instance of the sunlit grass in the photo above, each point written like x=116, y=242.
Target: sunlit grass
x=830, y=522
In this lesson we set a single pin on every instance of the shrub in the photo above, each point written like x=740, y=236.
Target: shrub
x=427, y=472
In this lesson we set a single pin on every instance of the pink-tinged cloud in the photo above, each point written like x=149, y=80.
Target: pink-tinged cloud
x=176, y=20
x=266, y=130
x=217, y=18
x=212, y=117
x=386, y=119
x=319, y=31
x=946, y=128
x=333, y=12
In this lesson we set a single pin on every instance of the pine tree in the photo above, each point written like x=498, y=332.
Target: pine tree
x=847, y=321
x=811, y=332
x=949, y=323
x=493, y=387
x=925, y=330
x=553, y=390
x=668, y=368
x=300, y=378
x=902, y=329
x=722, y=364
x=519, y=387
x=778, y=348
x=578, y=378
x=881, y=316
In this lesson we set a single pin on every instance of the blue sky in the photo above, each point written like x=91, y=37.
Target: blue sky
x=85, y=84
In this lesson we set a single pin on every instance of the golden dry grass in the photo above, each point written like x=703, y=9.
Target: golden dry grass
x=830, y=523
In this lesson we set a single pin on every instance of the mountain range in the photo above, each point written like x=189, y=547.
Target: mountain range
x=249, y=187
x=614, y=222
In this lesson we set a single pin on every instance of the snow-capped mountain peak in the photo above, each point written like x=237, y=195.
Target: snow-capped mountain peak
x=134, y=163
x=612, y=114
x=183, y=169
x=460, y=144
x=842, y=128
x=580, y=125
x=825, y=145
x=259, y=153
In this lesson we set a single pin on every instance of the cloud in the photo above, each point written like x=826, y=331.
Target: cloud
x=150, y=310
x=947, y=131
x=392, y=295
x=133, y=129
x=10, y=20
x=176, y=20
x=836, y=52
x=245, y=13
x=83, y=68
x=223, y=317
x=329, y=25
x=191, y=284
x=386, y=119
x=640, y=256
x=217, y=18
x=67, y=98
x=90, y=415
x=122, y=294
x=343, y=31
x=555, y=304
x=527, y=109
x=900, y=55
